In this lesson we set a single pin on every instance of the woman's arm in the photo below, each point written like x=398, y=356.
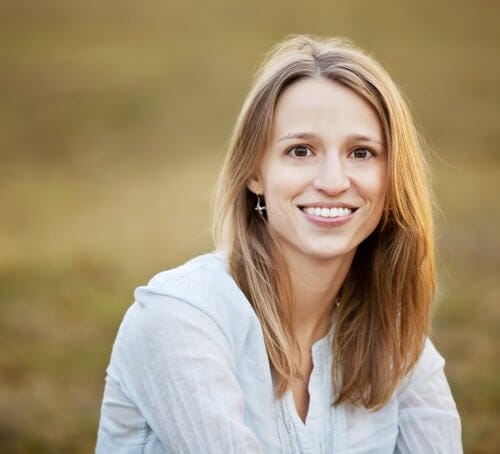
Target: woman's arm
x=177, y=367
x=428, y=417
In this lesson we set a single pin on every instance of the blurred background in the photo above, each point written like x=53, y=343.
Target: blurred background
x=114, y=119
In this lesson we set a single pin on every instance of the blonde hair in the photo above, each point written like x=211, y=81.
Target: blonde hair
x=382, y=322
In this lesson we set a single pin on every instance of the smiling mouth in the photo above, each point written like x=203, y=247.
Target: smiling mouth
x=336, y=212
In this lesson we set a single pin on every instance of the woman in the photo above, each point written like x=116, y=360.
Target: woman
x=306, y=331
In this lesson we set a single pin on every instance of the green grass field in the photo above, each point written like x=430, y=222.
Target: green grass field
x=114, y=119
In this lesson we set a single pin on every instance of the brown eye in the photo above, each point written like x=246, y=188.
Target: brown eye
x=300, y=151
x=362, y=153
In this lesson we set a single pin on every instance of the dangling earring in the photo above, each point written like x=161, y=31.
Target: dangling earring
x=259, y=207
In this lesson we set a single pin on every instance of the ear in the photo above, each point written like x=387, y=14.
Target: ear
x=255, y=184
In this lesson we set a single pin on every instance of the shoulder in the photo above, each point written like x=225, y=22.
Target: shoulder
x=197, y=276
x=429, y=364
x=203, y=282
x=201, y=289
x=428, y=419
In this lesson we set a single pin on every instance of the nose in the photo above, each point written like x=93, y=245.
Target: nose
x=331, y=176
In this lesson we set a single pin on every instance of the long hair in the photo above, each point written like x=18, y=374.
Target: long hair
x=381, y=325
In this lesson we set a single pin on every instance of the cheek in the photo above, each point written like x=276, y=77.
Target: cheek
x=281, y=190
x=375, y=185
x=379, y=194
x=375, y=189
x=281, y=184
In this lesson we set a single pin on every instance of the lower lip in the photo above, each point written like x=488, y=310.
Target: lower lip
x=328, y=222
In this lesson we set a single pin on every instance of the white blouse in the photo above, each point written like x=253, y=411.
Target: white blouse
x=189, y=373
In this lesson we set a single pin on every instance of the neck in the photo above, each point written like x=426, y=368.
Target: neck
x=315, y=285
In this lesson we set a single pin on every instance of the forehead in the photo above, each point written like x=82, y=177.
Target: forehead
x=322, y=105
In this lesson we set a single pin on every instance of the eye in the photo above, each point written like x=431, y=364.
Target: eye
x=299, y=151
x=361, y=153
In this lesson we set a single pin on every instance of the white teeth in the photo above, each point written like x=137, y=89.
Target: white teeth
x=328, y=212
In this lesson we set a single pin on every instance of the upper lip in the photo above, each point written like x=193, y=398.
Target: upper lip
x=328, y=205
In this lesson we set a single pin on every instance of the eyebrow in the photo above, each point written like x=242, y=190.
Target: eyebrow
x=298, y=135
x=312, y=135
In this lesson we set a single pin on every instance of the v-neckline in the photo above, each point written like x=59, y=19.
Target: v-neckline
x=315, y=354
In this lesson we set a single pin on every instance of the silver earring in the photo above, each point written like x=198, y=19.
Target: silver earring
x=259, y=207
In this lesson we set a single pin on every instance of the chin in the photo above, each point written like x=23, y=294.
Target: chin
x=329, y=253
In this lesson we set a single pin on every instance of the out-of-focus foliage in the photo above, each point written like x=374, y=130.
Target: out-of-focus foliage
x=114, y=117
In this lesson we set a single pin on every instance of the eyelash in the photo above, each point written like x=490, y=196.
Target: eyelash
x=372, y=153
x=295, y=147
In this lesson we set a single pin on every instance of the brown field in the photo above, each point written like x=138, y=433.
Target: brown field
x=114, y=118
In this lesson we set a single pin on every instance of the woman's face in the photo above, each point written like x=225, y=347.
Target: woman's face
x=324, y=172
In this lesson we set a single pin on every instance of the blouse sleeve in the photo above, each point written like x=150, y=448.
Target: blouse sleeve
x=428, y=417
x=178, y=368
